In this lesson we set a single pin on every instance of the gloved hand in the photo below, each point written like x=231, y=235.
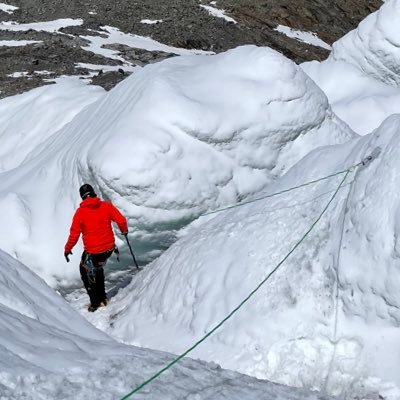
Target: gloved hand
x=66, y=254
x=125, y=234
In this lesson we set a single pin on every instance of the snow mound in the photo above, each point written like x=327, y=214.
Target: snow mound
x=374, y=47
x=47, y=351
x=27, y=120
x=362, y=75
x=24, y=292
x=328, y=319
x=175, y=139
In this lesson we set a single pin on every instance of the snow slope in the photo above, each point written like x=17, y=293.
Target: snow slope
x=28, y=120
x=329, y=318
x=362, y=75
x=47, y=351
x=175, y=139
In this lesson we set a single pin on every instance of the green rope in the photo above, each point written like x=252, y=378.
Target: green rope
x=282, y=191
x=177, y=359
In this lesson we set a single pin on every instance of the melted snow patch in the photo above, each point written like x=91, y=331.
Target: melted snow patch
x=28, y=74
x=115, y=36
x=46, y=26
x=17, y=43
x=215, y=12
x=105, y=68
x=150, y=21
x=7, y=8
x=305, y=37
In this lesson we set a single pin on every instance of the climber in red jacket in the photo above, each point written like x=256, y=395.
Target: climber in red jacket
x=93, y=219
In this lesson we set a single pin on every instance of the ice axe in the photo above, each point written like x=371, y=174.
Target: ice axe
x=130, y=249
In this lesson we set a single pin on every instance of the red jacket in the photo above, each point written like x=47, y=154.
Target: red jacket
x=93, y=219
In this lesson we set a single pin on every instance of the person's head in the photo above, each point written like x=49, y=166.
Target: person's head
x=86, y=191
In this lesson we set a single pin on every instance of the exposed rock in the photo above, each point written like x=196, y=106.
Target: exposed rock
x=184, y=24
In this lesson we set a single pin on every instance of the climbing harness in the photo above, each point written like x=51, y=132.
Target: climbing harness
x=93, y=269
x=90, y=268
x=346, y=173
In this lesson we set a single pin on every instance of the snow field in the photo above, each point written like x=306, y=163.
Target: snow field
x=176, y=139
x=47, y=351
x=187, y=136
x=328, y=320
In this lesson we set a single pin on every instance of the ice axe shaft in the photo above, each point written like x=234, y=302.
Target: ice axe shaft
x=130, y=249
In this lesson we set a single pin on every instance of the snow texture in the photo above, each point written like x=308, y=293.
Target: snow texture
x=374, y=47
x=328, y=319
x=174, y=140
x=48, y=351
x=362, y=75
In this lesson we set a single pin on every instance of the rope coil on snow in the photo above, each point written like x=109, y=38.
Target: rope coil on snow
x=346, y=173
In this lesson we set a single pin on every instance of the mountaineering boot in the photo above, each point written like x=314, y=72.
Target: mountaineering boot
x=92, y=308
x=103, y=303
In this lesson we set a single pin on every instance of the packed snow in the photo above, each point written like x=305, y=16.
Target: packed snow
x=162, y=145
x=45, y=111
x=306, y=37
x=48, y=351
x=170, y=143
x=45, y=26
x=331, y=312
x=362, y=75
x=216, y=12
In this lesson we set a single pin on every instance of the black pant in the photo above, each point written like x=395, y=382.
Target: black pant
x=92, y=274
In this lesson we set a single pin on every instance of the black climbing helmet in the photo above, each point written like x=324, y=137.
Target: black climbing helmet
x=86, y=190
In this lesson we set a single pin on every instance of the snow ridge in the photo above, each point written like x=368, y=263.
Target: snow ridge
x=167, y=144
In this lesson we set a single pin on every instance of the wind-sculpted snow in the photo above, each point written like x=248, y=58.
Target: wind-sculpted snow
x=175, y=139
x=374, y=47
x=362, y=75
x=47, y=351
x=328, y=319
x=27, y=120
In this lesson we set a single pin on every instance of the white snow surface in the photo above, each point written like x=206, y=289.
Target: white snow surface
x=45, y=26
x=48, y=351
x=302, y=36
x=216, y=12
x=115, y=36
x=150, y=21
x=28, y=120
x=186, y=136
x=17, y=43
x=328, y=319
x=8, y=8
x=362, y=75
x=175, y=139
